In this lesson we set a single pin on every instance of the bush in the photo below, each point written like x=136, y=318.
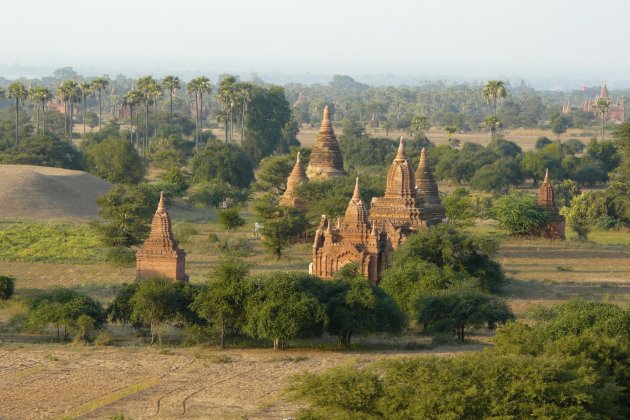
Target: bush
x=7, y=287
x=230, y=219
x=184, y=231
x=224, y=162
x=116, y=160
x=519, y=214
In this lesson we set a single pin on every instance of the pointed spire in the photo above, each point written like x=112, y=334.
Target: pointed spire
x=546, y=180
x=357, y=195
x=604, y=92
x=298, y=160
x=161, y=207
x=401, y=150
x=326, y=126
x=423, y=159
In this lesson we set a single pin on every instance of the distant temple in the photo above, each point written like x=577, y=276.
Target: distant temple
x=297, y=177
x=555, y=228
x=352, y=240
x=616, y=109
x=326, y=160
x=160, y=256
x=411, y=202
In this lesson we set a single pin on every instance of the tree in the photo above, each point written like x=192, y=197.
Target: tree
x=150, y=91
x=222, y=303
x=39, y=95
x=132, y=98
x=198, y=87
x=492, y=91
x=116, y=160
x=171, y=84
x=18, y=92
x=419, y=123
x=230, y=219
x=121, y=308
x=126, y=211
x=99, y=85
x=283, y=306
x=578, y=215
x=450, y=130
x=493, y=124
x=387, y=126
x=356, y=307
x=601, y=107
x=69, y=93
x=559, y=124
x=519, y=214
x=280, y=224
x=459, y=310
x=273, y=172
x=226, y=162
x=155, y=303
x=86, y=90
x=7, y=287
x=226, y=95
x=542, y=142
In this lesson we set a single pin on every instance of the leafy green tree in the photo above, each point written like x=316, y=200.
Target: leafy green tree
x=154, y=303
x=283, y=306
x=7, y=287
x=460, y=310
x=564, y=191
x=573, y=146
x=231, y=219
x=19, y=93
x=493, y=124
x=498, y=176
x=356, y=307
x=116, y=160
x=519, y=214
x=542, y=142
x=214, y=192
x=280, y=224
x=273, y=172
x=559, y=124
x=224, y=162
x=419, y=123
x=458, y=206
x=43, y=150
x=222, y=303
x=126, y=211
x=605, y=152
x=121, y=308
x=578, y=215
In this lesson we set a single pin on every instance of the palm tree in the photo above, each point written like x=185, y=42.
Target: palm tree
x=601, y=106
x=39, y=95
x=99, y=85
x=154, y=93
x=226, y=95
x=86, y=90
x=18, y=92
x=198, y=86
x=69, y=93
x=171, y=84
x=493, y=90
x=245, y=93
x=131, y=99
x=493, y=124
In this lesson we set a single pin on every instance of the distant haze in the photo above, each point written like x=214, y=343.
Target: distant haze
x=547, y=42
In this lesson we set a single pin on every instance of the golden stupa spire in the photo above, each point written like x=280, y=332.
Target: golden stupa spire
x=402, y=154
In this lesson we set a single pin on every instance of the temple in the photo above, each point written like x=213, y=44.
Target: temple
x=397, y=211
x=616, y=111
x=297, y=177
x=326, y=160
x=159, y=255
x=352, y=240
x=555, y=228
x=427, y=195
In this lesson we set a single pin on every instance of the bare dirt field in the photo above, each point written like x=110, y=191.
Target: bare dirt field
x=44, y=381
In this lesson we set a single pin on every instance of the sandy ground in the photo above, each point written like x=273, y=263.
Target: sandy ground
x=43, y=381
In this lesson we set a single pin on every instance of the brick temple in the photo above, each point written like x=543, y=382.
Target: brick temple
x=555, y=228
x=616, y=111
x=296, y=178
x=326, y=160
x=160, y=256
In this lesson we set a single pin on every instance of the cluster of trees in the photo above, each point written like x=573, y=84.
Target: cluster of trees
x=573, y=361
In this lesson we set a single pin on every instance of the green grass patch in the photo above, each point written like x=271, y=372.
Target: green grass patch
x=49, y=242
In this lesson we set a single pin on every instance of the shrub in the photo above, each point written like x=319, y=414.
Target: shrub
x=7, y=287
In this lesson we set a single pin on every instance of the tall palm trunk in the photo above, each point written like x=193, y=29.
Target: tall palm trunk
x=37, y=118
x=231, y=124
x=170, y=114
x=146, y=126
x=99, y=110
x=131, y=123
x=84, y=112
x=155, y=113
x=65, y=118
x=196, y=121
x=43, y=119
x=17, y=120
x=243, y=123
x=200, y=114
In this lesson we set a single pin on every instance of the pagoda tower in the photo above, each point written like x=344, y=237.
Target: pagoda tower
x=297, y=177
x=159, y=255
x=427, y=195
x=352, y=240
x=326, y=160
x=555, y=228
x=398, y=211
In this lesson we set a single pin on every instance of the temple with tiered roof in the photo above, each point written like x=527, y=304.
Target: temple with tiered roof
x=615, y=112
x=160, y=256
x=326, y=160
x=427, y=195
x=352, y=239
x=296, y=178
x=555, y=227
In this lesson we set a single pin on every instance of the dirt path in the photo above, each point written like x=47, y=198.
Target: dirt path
x=42, y=381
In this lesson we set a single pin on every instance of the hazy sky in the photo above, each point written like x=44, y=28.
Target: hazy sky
x=462, y=38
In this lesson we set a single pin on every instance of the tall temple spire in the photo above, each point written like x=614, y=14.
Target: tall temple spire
x=356, y=213
x=161, y=207
x=545, y=193
x=297, y=177
x=555, y=226
x=604, y=92
x=357, y=195
x=427, y=195
x=326, y=160
x=401, y=154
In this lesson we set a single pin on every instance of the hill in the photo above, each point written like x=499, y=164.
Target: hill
x=38, y=193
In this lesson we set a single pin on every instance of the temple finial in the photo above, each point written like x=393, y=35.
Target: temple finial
x=423, y=158
x=401, y=150
x=161, y=208
x=326, y=113
x=299, y=158
x=356, y=196
x=546, y=180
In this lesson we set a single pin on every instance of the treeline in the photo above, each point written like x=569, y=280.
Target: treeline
x=442, y=280
x=570, y=361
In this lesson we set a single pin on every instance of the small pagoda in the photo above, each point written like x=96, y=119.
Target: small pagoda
x=397, y=211
x=160, y=256
x=555, y=227
x=353, y=239
x=326, y=160
x=296, y=178
x=427, y=195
